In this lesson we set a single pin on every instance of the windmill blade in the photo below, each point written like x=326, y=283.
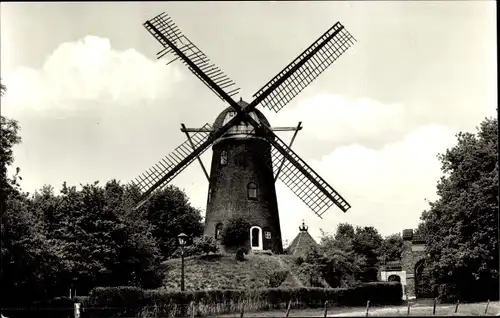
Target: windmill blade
x=180, y=158
x=165, y=31
x=305, y=68
x=169, y=167
x=313, y=190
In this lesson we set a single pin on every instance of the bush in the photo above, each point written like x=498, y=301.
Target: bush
x=211, y=302
x=58, y=307
x=202, y=245
x=277, y=277
x=235, y=232
x=126, y=298
x=299, y=260
x=240, y=254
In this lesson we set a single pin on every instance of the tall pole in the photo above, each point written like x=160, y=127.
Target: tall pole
x=182, y=268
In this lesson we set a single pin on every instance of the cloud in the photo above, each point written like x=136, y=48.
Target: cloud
x=89, y=70
x=331, y=121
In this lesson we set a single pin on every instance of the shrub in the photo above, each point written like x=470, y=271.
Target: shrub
x=299, y=260
x=276, y=278
x=211, y=302
x=202, y=245
x=58, y=307
x=235, y=232
x=206, y=245
x=124, y=299
x=240, y=254
x=310, y=274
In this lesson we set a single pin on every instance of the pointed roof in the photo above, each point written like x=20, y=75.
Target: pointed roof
x=302, y=242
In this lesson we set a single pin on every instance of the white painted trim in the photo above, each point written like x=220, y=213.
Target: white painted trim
x=260, y=238
x=384, y=276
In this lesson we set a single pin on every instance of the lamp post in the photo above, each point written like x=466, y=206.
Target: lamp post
x=182, y=242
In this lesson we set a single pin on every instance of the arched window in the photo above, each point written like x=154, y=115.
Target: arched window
x=209, y=195
x=218, y=231
x=252, y=191
x=223, y=158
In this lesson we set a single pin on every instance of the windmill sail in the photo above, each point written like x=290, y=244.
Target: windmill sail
x=305, y=68
x=161, y=173
x=165, y=31
x=302, y=180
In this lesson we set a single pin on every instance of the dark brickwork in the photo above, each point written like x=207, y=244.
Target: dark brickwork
x=228, y=187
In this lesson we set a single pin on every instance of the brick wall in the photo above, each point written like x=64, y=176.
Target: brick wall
x=228, y=187
x=413, y=252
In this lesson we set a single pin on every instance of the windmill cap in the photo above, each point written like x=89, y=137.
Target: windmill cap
x=223, y=117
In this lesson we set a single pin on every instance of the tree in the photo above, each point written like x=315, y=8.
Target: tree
x=28, y=264
x=201, y=245
x=392, y=247
x=3, y=88
x=342, y=265
x=9, y=137
x=235, y=232
x=101, y=245
x=461, y=226
x=366, y=244
x=344, y=236
x=170, y=214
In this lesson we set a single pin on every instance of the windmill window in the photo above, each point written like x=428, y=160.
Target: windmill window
x=223, y=158
x=267, y=235
x=252, y=191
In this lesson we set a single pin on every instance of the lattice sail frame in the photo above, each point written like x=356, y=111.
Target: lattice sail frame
x=154, y=174
x=300, y=184
x=309, y=65
x=169, y=29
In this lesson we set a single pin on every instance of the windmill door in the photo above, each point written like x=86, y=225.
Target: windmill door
x=256, y=238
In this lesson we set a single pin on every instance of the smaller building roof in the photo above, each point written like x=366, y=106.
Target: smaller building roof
x=302, y=243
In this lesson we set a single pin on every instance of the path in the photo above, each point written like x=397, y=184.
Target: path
x=285, y=267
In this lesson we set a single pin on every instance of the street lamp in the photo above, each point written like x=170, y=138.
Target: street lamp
x=182, y=242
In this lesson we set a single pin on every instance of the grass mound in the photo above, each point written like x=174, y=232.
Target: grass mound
x=221, y=272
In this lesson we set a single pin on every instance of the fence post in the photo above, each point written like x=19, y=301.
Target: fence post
x=288, y=309
x=456, y=306
x=486, y=309
x=367, y=307
x=242, y=309
x=434, y=307
x=408, y=304
x=192, y=309
x=77, y=310
x=326, y=308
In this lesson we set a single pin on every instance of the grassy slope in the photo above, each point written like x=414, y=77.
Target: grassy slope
x=289, y=260
x=221, y=272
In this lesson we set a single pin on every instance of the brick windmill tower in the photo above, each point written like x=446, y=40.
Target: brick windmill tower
x=241, y=184
x=248, y=157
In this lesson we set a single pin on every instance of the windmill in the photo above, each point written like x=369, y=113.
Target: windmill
x=248, y=157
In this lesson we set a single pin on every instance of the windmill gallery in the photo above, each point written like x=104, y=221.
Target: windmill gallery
x=248, y=157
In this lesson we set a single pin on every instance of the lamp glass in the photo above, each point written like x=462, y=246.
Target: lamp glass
x=182, y=239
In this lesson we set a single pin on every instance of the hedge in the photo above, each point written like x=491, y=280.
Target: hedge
x=131, y=301
x=59, y=307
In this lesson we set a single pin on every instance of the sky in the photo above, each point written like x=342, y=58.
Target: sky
x=94, y=103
